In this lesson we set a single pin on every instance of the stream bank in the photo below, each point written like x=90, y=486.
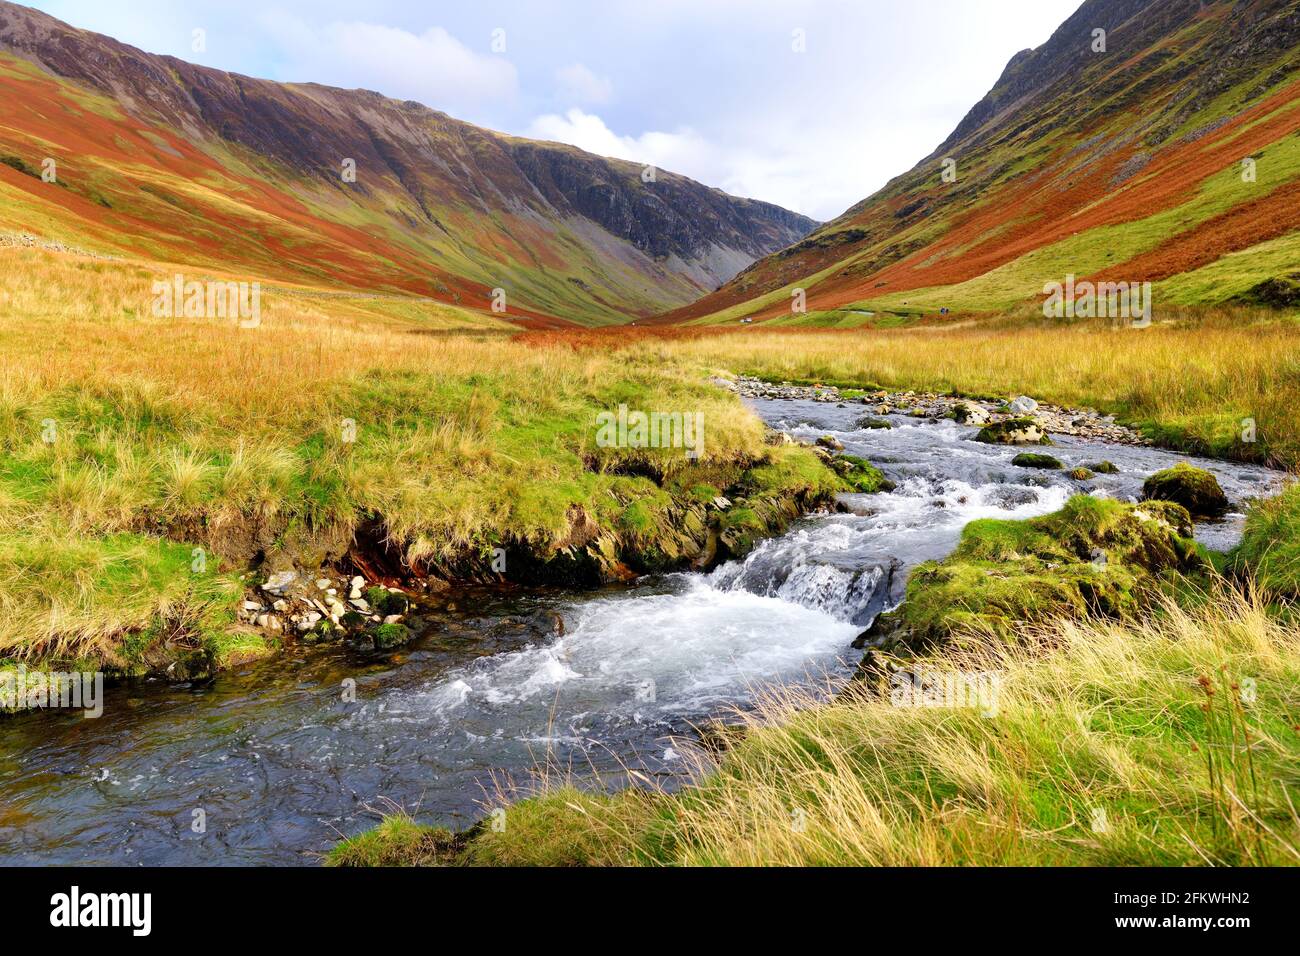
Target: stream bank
x=285, y=759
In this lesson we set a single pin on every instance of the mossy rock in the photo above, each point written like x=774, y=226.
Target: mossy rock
x=1103, y=468
x=1093, y=557
x=385, y=602
x=862, y=476
x=389, y=636
x=1194, y=488
x=830, y=442
x=1029, y=459
x=751, y=520
x=1014, y=431
x=871, y=421
x=968, y=414
x=1081, y=474
x=324, y=631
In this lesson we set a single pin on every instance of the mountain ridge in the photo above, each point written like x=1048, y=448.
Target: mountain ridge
x=443, y=208
x=1124, y=162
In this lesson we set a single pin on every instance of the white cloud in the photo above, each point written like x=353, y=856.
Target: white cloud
x=588, y=131
x=578, y=84
x=432, y=67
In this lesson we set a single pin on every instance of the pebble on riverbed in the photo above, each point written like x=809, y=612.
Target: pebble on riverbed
x=313, y=609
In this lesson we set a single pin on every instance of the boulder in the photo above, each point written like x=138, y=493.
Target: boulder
x=1024, y=405
x=390, y=635
x=831, y=442
x=1013, y=431
x=864, y=477
x=1194, y=488
x=280, y=582
x=968, y=413
x=1028, y=459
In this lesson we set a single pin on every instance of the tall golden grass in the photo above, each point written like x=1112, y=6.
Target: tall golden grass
x=113, y=421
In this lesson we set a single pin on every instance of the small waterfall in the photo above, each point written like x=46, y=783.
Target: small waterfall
x=788, y=569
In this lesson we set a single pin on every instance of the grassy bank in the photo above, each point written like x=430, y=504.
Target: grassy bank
x=128, y=440
x=1099, y=743
x=1270, y=547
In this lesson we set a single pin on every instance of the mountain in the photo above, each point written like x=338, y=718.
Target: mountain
x=1161, y=150
x=161, y=159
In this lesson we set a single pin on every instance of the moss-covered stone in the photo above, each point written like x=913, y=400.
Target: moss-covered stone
x=1014, y=431
x=1081, y=474
x=389, y=636
x=1194, y=488
x=870, y=421
x=1029, y=459
x=1103, y=468
x=1093, y=556
x=384, y=601
x=324, y=631
x=862, y=476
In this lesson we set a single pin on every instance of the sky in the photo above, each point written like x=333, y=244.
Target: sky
x=811, y=104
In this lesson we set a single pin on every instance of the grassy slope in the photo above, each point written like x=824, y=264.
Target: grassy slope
x=128, y=187
x=1050, y=197
x=118, y=428
x=1270, y=547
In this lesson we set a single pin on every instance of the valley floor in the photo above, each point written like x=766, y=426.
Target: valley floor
x=131, y=445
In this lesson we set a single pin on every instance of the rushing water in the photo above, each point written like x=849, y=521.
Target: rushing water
x=281, y=765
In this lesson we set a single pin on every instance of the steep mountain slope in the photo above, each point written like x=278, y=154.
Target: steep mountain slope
x=162, y=159
x=1123, y=160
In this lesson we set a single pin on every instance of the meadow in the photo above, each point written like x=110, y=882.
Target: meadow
x=126, y=440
